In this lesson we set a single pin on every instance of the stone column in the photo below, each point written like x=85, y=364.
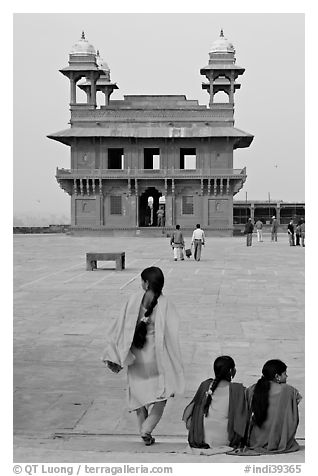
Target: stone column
x=137, y=202
x=231, y=98
x=205, y=210
x=211, y=89
x=278, y=213
x=252, y=211
x=73, y=89
x=168, y=210
x=73, y=209
x=101, y=202
x=93, y=89
x=173, y=208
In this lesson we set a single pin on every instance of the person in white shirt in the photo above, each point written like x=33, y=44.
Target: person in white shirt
x=198, y=239
x=259, y=229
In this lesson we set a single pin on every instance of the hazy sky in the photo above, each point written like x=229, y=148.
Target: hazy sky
x=154, y=53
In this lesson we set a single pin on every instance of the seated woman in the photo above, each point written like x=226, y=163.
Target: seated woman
x=273, y=408
x=217, y=416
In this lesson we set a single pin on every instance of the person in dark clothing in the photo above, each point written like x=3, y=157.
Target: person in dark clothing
x=217, y=417
x=298, y=233
x=248, y=231
x=302, y=233
x=291, y=232
x=274, y=229
x=177, y=243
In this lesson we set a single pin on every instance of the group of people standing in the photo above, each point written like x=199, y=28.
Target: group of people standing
x=223, y=416
x=178, y=244
x=300, y=231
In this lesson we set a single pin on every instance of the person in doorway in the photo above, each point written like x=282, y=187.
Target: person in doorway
x=259, y=230
x=273, y=410
x=274, y=229
x=248, y=231
x=177, y=243
x=217, y=417
x=198, y=239
x=160, y=216
x=291, y=232
x=145, y=340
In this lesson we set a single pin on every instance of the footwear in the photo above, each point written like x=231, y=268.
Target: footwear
x=148, y=439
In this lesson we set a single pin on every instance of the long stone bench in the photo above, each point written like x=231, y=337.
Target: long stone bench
x=92, y=258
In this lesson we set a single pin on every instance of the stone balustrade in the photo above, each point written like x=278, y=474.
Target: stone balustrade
x=149, y=173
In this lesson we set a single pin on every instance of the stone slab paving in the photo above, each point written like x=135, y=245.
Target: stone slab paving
x=246, y=302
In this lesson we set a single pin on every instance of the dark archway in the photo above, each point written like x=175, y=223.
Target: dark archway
x=148, y=217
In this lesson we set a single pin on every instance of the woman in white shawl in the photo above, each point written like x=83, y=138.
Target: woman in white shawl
x=145, y=339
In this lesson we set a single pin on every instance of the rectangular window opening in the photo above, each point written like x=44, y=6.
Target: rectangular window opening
x=115, y=205
x=188, y=159
x=116, y=159
x=187, y=205
x=151, y=159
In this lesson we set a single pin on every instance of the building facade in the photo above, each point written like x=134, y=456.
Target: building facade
x=131, y=157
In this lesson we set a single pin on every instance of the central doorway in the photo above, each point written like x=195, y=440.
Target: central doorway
x=148, y=207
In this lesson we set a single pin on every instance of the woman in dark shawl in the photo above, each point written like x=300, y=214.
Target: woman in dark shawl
x=273, y=408
x=217, y=416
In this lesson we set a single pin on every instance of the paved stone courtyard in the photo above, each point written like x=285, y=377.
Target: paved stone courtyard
x=245, y=302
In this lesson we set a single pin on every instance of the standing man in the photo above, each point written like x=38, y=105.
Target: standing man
x=177, y=243
x=274, y=229
x=298, y=233
x=259, y=229
x=198, y=239
x=302, y=233
x=249, y=228
x=290, y=231
x=160, y=217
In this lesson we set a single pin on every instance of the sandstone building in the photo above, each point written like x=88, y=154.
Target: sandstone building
x=131, y=156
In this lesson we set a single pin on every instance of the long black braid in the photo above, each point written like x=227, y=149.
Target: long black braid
x=155, y=278
x=222, y=369
x=261, y=391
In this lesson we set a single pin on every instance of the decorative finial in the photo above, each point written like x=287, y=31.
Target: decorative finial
x=221, y=33
x=83, y=35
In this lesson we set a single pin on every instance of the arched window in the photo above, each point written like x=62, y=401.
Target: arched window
x=220, y=97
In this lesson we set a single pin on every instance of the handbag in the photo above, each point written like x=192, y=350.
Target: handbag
x=188, y=252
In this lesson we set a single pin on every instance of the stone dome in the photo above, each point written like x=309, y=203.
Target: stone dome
x=222, y=45
x=83, y=47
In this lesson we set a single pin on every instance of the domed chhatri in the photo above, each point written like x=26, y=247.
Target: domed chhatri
x=101, y=63
x=83, y=47
x=222, y=45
